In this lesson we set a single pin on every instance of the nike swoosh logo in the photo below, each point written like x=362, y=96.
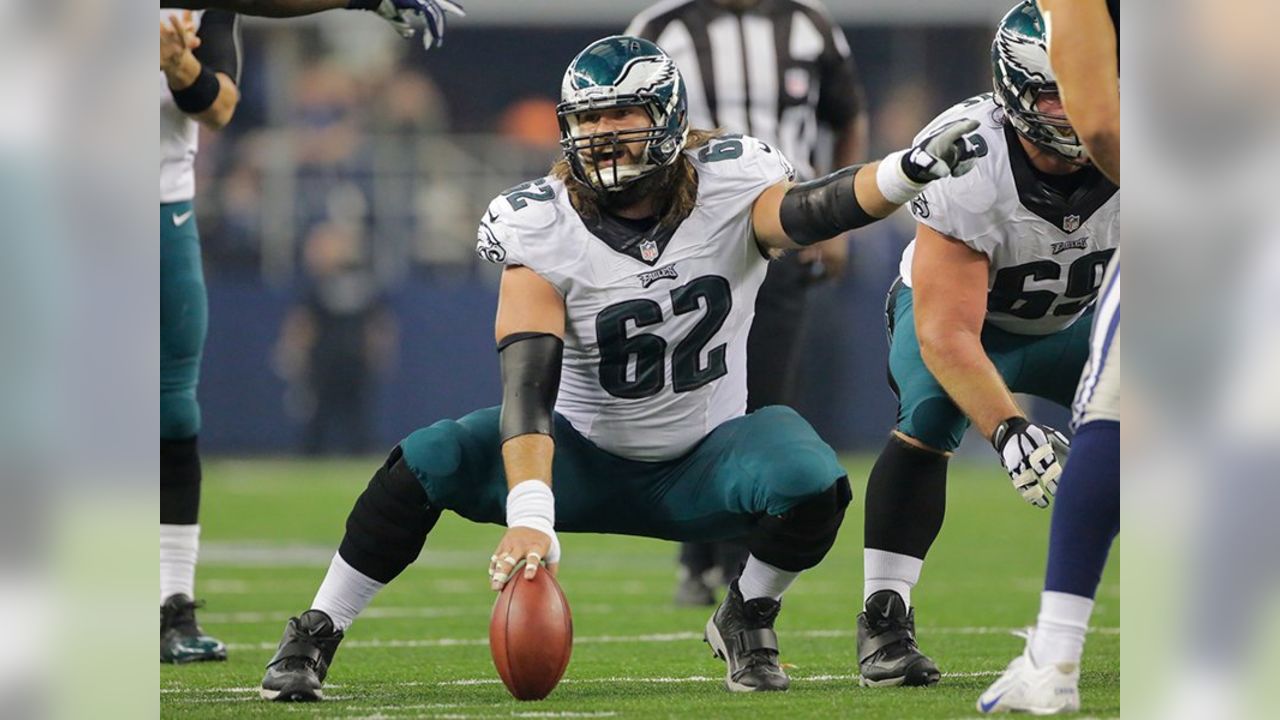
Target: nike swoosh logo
x=987, y=706
x=180, y=219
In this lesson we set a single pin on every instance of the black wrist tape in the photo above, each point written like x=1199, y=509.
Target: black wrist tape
x=1012, y=425
x=530, y=381
x=200, y=95
x=363, y=4
x=823, y=208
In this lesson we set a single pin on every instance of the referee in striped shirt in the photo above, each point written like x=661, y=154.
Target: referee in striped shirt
x=778, y=70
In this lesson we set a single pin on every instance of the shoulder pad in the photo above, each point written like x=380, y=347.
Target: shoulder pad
x=740, y=163
x=514, y=217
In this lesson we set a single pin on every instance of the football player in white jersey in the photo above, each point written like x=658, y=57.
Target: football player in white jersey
x=629, y=281
x=406, y=16
x=1084, y=50
x=199, y=68
x=996, y=297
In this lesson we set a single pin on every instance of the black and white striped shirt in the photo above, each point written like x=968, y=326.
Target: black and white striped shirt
x=780, y=71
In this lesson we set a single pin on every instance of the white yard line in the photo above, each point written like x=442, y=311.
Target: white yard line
x=651, y=638
x=659, y=680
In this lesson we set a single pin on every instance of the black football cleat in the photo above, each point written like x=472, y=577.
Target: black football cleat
x=181, y=639
x=741, y=633
x=296, y=673
x=887, y=650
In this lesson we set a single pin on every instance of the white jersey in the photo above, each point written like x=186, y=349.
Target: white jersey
x=179, y=139
x=656, y=323
x=1048, y=253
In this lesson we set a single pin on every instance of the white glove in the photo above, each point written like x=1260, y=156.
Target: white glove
x=409, y=16
x=1033, y=455
x=945, y=152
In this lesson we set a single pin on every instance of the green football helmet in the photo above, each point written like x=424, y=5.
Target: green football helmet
x=622, y=71
x=1021, y=72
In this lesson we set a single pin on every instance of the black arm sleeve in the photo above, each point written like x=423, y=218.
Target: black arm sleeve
x=819, y=209
x=220, y=43
x=530, y=381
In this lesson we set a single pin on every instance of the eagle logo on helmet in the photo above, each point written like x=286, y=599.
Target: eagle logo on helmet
x=1026, y=55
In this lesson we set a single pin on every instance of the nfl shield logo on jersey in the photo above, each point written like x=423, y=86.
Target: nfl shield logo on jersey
x=649, y=250
x=1071, y=223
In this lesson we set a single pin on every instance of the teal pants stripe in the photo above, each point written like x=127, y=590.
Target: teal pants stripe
x=763, y=463
x=1046, y=366
x=184, y=320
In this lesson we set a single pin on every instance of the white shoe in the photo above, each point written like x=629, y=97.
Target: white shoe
x=1023, y=687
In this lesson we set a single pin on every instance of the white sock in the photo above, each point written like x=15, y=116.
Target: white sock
x=760, y=579
x=884, y=570
x=345, y=592
x=1060, y=629
x=179, y=546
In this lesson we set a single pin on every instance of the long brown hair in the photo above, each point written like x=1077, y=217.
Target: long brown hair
x=679, y=179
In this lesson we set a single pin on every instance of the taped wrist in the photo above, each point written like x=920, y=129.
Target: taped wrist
x=820, y=209
x=200, y=95
x=1007, y=428
x=892, y=179
x=532, y=505
x=363, y=4
x=530, y=381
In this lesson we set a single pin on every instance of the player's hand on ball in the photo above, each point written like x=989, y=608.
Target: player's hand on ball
x=945, y=152
x=1033, y=456
x=409, y=16
x=519, y=554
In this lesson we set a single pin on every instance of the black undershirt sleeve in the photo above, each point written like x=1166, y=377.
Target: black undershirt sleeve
x=219, y=49
x=530, y=382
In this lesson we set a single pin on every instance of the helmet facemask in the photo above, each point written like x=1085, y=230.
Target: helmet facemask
x=604, y=160
x=621, y=72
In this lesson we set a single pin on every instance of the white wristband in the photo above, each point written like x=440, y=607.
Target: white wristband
x=893, y=183
x=531, y=504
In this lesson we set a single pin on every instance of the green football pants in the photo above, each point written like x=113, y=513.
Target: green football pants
x=765, y=463
x=184, y=320
x=1046, y=366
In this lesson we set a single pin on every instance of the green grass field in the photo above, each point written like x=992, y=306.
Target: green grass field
x=421, y=650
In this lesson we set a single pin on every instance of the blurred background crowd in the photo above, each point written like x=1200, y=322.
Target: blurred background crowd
x=338, y=217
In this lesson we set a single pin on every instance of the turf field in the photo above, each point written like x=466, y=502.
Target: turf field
x=421, y=649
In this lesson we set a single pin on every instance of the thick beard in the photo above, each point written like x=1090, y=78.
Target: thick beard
x=658, y=184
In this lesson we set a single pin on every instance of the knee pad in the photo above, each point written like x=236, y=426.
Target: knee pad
x=179, y=482
x=179, y=413
x=936, y=422
x=435, y=450
x=799, y=538
x=389, y=523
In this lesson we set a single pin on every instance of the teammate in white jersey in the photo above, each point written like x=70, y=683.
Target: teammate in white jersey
x=199, y=68
x=628, y=289
x=996, y=297
x=406, y=16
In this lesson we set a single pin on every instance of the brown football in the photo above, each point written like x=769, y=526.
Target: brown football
x=531, y=635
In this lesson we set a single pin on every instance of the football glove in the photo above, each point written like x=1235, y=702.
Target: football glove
x=944, y=152
x=1033, y=456
x=409, y=16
